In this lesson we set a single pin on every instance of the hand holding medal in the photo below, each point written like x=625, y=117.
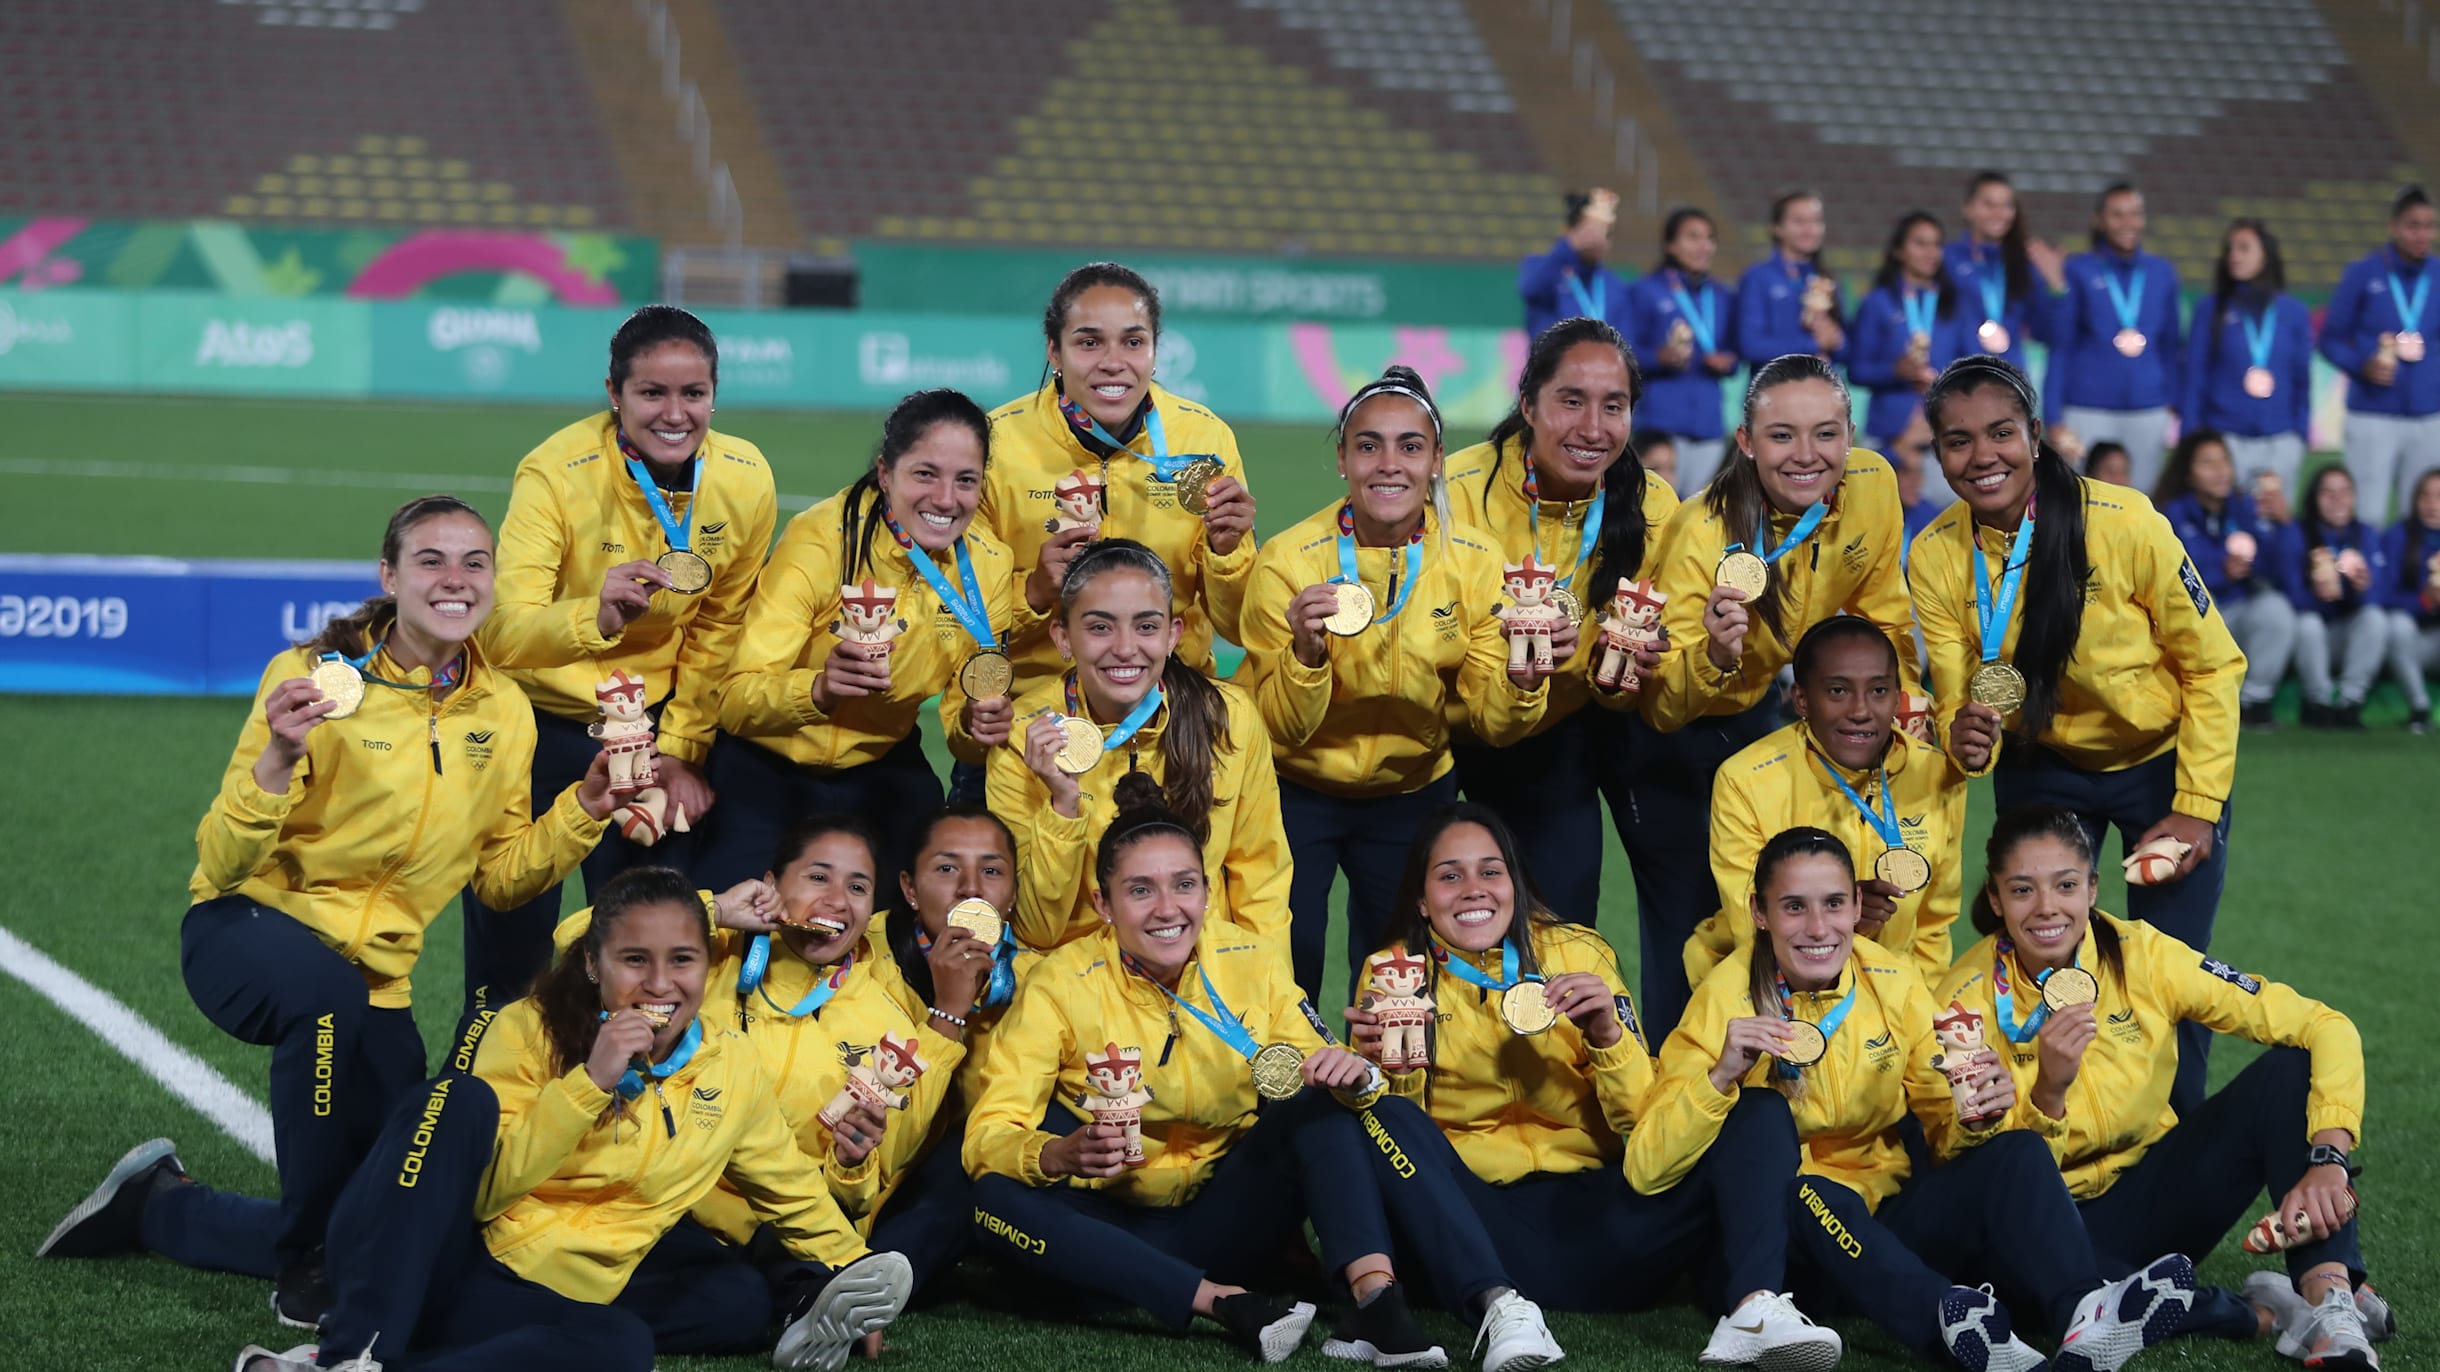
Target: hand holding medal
x=1725, y=620
x=1586, y=1000
x=1747, y=1041
x=1050, y=744
x=292, y=709
x=626, y=594
x=1326, y=610
x=1227, y=507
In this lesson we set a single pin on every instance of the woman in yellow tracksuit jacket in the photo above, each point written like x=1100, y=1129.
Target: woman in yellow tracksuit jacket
x=527, y=1213
x=1121, y=1144
x=1118, y=443
x=1845, y=1031
x=1824, y=519
x=818, y=718
x=1847, y=768
x=1358, y=714
x=1533, y=1123
x=581, y=596
x=802, y=969
x=2127, y=673
x=1560, y=481
x=344, y=825
x=2093, y=1078
x=1201, y=740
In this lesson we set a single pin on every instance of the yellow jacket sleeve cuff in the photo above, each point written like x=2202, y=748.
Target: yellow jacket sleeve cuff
x=1409, y=1084
x=575, y=1101
x=2318, y=1118
x=1029, y=1159
x=1713, y=1102
x=248, y=801
x=1617, y=1056
x=570, y=823
x=2199, y=807
x=681, y=748
x=853, y=1181
x=1293, y=670
x=942, y=1051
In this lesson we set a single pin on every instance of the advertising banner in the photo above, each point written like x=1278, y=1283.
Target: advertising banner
x=161, y=626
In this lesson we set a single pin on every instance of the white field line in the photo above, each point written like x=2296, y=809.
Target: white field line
x=246, y=475
x=188, y=1077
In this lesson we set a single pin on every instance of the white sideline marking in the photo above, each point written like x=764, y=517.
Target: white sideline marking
x=232, y=474
x=188, y=1077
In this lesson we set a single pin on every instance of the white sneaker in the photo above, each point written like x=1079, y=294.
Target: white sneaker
x=2128, y=1316
x=1770, y=1333
x=299, y=1359
x=865, y=1295
x=1518, y=1339
x=1980, y=1338
x=2380, y=1322
x=2328, y=1335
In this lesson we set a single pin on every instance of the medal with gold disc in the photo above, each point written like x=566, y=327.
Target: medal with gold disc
x=1525, y=1009
x=689, y=574
x=1278, y=1068
x=1742, y=571
x=1807, y=1044
x=2066, y=987
x=1998, y=684
x=1279, y=1071
x=1193, y=484
x=1903, y=868
x=1082, y=745
x=986, y=673
x=1355, y=611
x=339, y=679
x=978, y=918
x=1750, y=571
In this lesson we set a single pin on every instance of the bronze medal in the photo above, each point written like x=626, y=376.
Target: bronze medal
x=1807, y=1044
x=1903, y=868
x=1525, y=1009
x=1279, y=1071
x=1742, y=571
x=689, y=574
x=1193, y=484
x=979, y=919
x=1355, y=612
x=2410, y=346
x=1564, y=601
x=2069, y=986
x=2129, y=342
x=1993, y=336
x=986, y=675
x=1998, y=685
x=339, y=681
x=1083, y=747
x=2259, y=383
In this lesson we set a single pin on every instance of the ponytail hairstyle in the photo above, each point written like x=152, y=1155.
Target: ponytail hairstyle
x=1892, y=275
x=1140, y=816
x=2015, y=827
x=652, y=326
x=1801, y=841
x=2012, y=253
x=909, y=421
x=354, y=634
x=1735, y=493
x=1678, y=219
x=2059, y=567
x=1398, y=379
x=566, y=995
x=912, y=963
x=1085, y=278
x=1620, y=541
x=1198, y=714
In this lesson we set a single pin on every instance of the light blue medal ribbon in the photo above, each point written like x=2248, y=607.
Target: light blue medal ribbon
x=1993, y=613
x=758, y=962
x=1127, y=728
x=679, y=532
x=442, y=680
x=2126, y=299
x=1805, y=526
x=1706, y=336
x=1164, y=465
x=968, y=609
x=2259, y=332
x=1827, y=1024
x=1224, y=1025
x=1472, y=975
x=1588, y=302
x=1886, y=827
x=1585, y=542
x=631, y=1085
x=1347, y=562
x=1994, y=287
x=2003, y=999
x=2410, y=311
x=1920, y=321
x=1003, y=983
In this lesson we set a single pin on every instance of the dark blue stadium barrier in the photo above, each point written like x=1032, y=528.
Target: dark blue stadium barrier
x=161, y=626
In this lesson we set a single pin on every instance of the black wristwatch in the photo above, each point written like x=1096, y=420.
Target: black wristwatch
x=2323, y=1155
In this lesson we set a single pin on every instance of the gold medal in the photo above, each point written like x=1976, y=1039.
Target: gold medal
x=2129, y=342
x=1903, y=868
x=2259, y=383
x=1083, y=747
x=1193, y=484
x=1742, y=571
x=653, y=1017
x=1806, y=1044
x=1993, y=336
x=1279, y=1071
x=1355, y=612
x=2069, y=986
x=986, y=675
x=977, y=918
x=1564, y=601
x=1525, y=1009
x=2410, y=346
x=689, y=574
x=340, y=682
x=1998, y=685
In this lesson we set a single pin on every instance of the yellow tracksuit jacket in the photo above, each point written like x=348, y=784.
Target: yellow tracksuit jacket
x=391, y=812
x=2155, y=666
x=1776, y=784
x=1246, y=855
x=1033, y=448
x=575, y=1196
x=1517, y=1104
x=1850, y=563
x=1080, y=999
x=2118, y=1105
x=1847, y=1113
x=1372, y=720
x=1487, y=499
x=573, y=514
x=767, y=693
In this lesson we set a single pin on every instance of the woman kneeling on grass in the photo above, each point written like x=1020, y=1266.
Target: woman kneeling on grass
x=1844, y=1029
x=2093, y=1079
x=1117, y=1147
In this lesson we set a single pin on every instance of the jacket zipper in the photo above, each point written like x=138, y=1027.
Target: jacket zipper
x=423, y=811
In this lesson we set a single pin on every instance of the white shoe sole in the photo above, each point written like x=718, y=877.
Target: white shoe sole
x=137, y=1159
x=1287, y=1333
x=1802, y=1355
x=1358, y=1350
x=1522, y=1362
x=866, y=1295
x=2109, y=1348
x=309, y=1326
